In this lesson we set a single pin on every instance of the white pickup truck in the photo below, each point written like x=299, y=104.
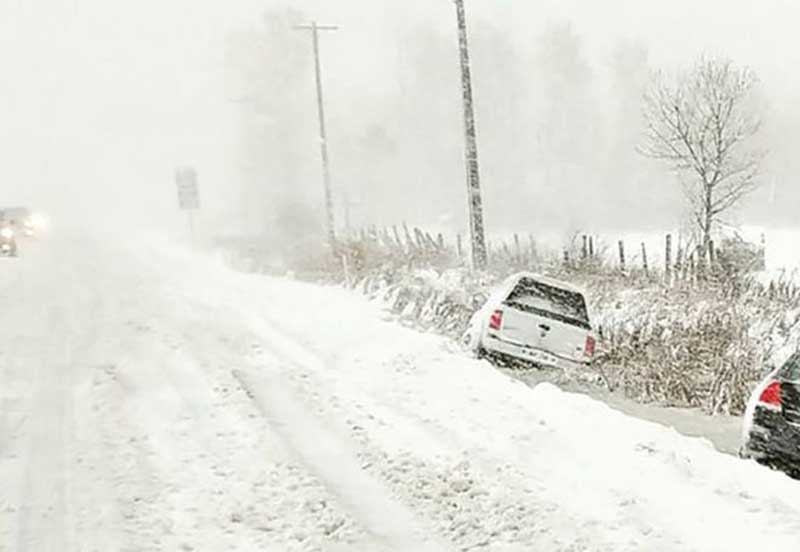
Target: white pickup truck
x=535, y=319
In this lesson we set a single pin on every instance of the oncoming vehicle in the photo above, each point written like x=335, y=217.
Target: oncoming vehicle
x=534, y=319
x=772, y=420
x=28, y=223
x=8, y=242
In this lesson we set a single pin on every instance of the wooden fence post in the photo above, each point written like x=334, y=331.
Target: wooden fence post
x=397, y=237
x=409, y=240
x=346, y=270
x=668, y=256
x=430, y=242
x=591, y=247
x=419, y=238
x=585, y=248
x=621, y=256
x=644, y=259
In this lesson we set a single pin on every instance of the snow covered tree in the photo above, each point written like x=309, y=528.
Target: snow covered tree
x=568, y=127
x=269, y=68
x=624, y=170
x=702, y=124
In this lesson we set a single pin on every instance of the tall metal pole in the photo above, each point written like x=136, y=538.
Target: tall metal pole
x=323, y=136
x=476, y=225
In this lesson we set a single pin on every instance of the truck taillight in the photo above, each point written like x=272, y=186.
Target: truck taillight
x=496, y=320
x=590, y=345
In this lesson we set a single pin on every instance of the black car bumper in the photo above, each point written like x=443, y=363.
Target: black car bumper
x=774, y=441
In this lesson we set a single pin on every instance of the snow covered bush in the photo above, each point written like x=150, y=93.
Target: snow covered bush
x=705, y=346
x=442, y=302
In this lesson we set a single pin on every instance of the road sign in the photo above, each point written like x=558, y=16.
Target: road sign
x=188, y=194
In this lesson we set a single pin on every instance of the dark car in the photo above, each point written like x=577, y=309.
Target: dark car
x=772, y=420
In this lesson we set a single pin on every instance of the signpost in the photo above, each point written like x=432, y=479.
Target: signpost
x=188, y=194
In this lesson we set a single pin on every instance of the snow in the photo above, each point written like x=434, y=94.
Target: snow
x=723, y=432
x=781, y=248
x=154, y=399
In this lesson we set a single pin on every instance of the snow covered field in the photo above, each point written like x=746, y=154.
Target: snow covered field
x=152, y=399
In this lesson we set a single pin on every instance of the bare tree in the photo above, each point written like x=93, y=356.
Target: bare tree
x=702, y=124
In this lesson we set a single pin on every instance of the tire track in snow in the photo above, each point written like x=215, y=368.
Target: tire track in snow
x=230, y=482
x=41, y=523
x=364, y=497
x=476, y=501
x=393, y=527
x=53, y=494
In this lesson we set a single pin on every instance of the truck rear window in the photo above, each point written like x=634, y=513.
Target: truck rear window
x=549, y=301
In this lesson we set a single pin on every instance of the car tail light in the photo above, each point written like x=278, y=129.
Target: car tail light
x=771, y=395
x=496, y=320
x=588, y=349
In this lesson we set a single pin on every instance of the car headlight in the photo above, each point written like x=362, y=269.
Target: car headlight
x=38, y=221
x=7, y=233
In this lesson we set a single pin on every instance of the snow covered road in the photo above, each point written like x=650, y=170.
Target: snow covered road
x=154, y=400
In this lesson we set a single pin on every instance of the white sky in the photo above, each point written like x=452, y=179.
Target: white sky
x=102, y=98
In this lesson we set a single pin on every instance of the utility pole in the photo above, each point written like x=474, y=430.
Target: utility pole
x=323, y=138
x=479, y=257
